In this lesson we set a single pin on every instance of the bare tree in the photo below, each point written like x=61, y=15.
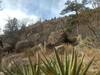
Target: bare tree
x=11, y=32
x=11, y=27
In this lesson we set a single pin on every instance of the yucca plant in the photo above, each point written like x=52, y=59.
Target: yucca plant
x=68, y=66
x=24, y=69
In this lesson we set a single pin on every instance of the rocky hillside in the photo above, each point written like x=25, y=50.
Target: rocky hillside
x=57, y=30
x=89, y=26
x=54, y=34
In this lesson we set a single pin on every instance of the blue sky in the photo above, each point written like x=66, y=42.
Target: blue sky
x=41, y=8
x=30, y=10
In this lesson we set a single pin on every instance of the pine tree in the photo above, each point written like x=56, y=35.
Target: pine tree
x=76, y=7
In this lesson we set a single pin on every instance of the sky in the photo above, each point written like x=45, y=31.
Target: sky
x=30, y=10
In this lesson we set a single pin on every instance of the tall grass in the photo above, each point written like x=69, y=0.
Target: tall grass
x=69, y=65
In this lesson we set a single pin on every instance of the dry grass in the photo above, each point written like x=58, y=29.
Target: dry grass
x=89, y=53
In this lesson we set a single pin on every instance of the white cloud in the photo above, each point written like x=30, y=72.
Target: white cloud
x=8, y=13
x=24, y=9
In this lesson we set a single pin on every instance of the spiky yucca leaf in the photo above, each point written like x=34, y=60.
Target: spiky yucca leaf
x=68, y=66
x=24, y=69
x=52, y=66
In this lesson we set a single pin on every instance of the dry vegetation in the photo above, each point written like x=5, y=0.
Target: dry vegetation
x=22, y=58
x=57, y=33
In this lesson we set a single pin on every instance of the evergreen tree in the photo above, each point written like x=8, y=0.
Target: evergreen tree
x=76, y=7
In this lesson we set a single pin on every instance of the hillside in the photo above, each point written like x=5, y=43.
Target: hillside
x=58, y=30
x=57, y=33
x=88, y=27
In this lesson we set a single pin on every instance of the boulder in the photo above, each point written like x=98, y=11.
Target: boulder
x=23, y=44
x=54, y=38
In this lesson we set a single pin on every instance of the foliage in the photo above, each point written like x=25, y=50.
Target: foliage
x=67, y=66
x=23, y=27
x=11, y=26
x=11, y=35
x=76, y=7
x=73, y=6
x=71, y=22
x=55, y=66
x=24, y=69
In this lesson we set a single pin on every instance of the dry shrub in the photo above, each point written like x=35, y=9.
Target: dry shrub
x=87, y=42
x=31, y=51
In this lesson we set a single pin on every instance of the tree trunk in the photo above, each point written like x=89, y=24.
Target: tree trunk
x=77, y=30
